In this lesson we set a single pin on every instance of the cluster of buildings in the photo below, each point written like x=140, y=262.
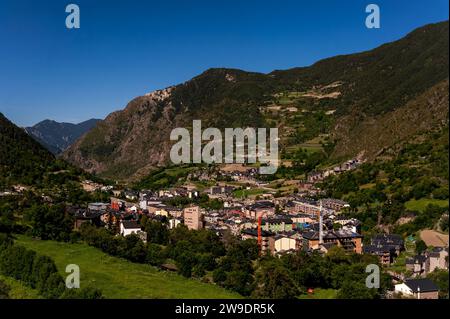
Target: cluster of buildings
x=90, y=186
x=280, y=225
x=317, y=176
x=427, y=262
x=286, y=224
x=417, y=286
x=386, y=246
x=240, y=173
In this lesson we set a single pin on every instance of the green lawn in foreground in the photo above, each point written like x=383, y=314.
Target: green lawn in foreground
x=118, y=278
x=321, y=294
x=19, y=290
x=420, y=204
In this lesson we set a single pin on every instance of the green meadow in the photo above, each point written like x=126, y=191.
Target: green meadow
x=419, y=205
x=118, y=278
x=320, y=294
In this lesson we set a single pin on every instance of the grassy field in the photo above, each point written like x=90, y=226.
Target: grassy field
x=239, y=193
x=321, y=294
x=19, y=290
x=420, y=204
x=118, y=278
x=367, y=186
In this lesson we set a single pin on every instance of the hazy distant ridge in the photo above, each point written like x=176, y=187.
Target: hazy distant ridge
x=57, y=137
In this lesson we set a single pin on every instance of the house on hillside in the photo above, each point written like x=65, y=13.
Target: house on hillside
x=128, y=227
x=131, y=195
x=83, y=215
x=277, y=224
x=334, y=204
x=98, y=206
x=416, y=264
x=418, y=288
x=437, y=259
x=389, y=240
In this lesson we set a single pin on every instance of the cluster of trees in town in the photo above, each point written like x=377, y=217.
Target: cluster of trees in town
x=34, y=215
x=440, y=278
x=235, y=270
x=193, y=252
x=29, y=214
x=293, y=274
x=49, y=221
x=38, y=272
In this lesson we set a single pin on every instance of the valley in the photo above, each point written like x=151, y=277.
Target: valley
x=361, y=180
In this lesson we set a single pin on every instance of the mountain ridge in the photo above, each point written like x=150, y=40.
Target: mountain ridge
x=22, y=159
x=58, y=136
x=129, y=143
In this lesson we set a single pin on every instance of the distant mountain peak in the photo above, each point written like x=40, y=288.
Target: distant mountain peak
x=58, y=136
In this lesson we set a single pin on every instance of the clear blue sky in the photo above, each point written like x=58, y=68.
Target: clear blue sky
x=128, y=48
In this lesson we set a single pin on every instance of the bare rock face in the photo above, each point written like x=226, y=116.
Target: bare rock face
x=130, y=141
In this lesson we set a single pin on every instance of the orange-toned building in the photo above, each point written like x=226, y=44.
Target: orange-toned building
x=193, y=217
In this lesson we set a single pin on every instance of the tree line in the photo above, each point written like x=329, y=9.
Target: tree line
x=38, y=272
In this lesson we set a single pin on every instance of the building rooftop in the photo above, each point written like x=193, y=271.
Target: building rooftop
x=387, y=239
x=425, y=285
x=130, y=224
x=254, y=232
x=262, y=204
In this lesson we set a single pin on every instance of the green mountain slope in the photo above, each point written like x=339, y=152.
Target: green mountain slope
x=409, y=181
x=22, y=159
x=373, y=135
x=305, y=103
